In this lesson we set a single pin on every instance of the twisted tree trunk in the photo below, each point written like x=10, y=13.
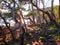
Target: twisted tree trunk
x=59, y=9
x=52, y=9
x=46, y=12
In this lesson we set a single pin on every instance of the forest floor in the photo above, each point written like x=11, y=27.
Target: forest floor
x=40, y=35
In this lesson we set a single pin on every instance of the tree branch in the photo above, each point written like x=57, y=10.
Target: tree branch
x=46, y=12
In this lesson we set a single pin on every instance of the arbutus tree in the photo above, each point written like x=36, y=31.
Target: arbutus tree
x=52, y=10
x=48, y=14
x=44, y=18
x=14, y=17
x=20, y=15
x=59, y=8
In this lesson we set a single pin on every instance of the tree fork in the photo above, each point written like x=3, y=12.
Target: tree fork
x=46, y=12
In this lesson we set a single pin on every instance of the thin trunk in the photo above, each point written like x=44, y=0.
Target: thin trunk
x=23, y=19
x=33, y=19
x=44, y=13
x=9, y=29
x=29, y=5
x=39, y=14
x=59, y=9
x=22, y=36
x=21, y=29
x=52, y=6
x=20, y=15
x=52, y=9
x=43, y=9
x=51, y=19
x=13, y=11
x=33, y=15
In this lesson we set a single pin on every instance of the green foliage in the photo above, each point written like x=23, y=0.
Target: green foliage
x=31, y=13
x=9, y=42
x=54, y=31
x=8, y=15
x=11, y=1
x=35, y=28
x=56, y=10
x=27, y=35
x=58, y=21
x=42, y=39
x=57, y=35
x=52, y=26
x=41, y=13
x=20, y=8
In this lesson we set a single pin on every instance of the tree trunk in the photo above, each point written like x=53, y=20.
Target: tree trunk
x=9, y=29
x=13, y=11
x=52, y=9
x=33, y=17
x=59, y=9
x=46, y=12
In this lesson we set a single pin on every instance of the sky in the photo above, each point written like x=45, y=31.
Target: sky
x=56, y=2
x=47, y=4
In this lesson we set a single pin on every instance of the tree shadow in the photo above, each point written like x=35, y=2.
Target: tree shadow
x=47, y=40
